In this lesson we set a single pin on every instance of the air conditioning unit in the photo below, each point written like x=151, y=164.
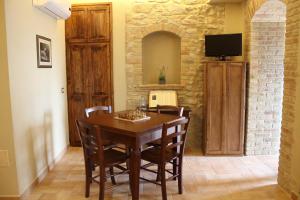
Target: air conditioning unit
x=59, y=9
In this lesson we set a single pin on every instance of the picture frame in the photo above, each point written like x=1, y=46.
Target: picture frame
x=44, y=52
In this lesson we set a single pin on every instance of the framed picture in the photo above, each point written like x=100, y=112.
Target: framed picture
x=44, y=54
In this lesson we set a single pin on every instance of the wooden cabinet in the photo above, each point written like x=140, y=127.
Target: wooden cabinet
x=89, y=61
x=225, y=91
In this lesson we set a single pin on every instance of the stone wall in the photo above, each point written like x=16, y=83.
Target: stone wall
x=289, y=99
x=292, y=45
x=266, y=79
x=190, y=20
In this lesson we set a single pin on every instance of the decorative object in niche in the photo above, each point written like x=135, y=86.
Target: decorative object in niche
x=162, y=75
x=44, y=54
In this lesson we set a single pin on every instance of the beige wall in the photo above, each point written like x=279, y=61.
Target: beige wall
x=38, y=107
x=8, y=174
x=234, y=21
x=119, y=9
x=234, y=18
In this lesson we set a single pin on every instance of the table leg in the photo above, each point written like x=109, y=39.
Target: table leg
x=135, y=164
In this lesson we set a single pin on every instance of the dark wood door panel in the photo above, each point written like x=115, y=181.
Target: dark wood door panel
x=76, y=106
x=215, y=109
x=101, y=74
x=76, y=25
x=235, y=108
x=77, y=70
x=100, y=69
x=99, y=23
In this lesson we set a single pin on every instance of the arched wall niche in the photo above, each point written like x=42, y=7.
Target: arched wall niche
x=161, y=51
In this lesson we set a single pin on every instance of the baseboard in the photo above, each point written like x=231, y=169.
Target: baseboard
x=41, y=175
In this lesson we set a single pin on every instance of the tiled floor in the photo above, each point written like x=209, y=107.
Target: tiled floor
x=209, y=178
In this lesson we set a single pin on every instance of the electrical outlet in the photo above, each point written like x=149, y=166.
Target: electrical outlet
x=4, y=158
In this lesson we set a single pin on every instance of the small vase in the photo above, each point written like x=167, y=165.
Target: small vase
x=162, y=81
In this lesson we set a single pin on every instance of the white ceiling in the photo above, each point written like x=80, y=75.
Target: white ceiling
x=224, y=1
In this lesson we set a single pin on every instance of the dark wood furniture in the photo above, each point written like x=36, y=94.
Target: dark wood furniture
x=89, y=61
x=168, y=152
x=173, y=110
x=225, y=90
x=167, y=109
x=133, y=135
x=95, y=155
x=187, y=111
x=89, y=111
x=102, y=109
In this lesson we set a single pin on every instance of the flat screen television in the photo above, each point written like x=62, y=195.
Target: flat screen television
x=224, y=45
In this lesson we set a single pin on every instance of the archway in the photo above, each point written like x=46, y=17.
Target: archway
x=266, y=75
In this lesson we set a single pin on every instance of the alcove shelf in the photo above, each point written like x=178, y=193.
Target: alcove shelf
x=161, y=86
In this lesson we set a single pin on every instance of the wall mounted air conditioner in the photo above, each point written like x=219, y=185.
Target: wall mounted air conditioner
x=59, y=9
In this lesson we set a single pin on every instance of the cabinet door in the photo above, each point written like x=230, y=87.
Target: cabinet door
x=235, y=115
x=100, y=75
x=76, y=25
x=215, y=109
x=99, y=23
x=78, y=97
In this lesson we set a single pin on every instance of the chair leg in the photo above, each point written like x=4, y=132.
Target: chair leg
x=111, y=171
x=174, y=163
x=163, y=182
x=102, y=183
x=158, y=176
x=180, y=176
x=88, y=181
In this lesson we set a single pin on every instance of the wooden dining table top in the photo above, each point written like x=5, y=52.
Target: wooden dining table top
x=129, y=128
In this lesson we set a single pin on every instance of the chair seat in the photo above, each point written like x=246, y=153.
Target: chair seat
x=153, y=155
x=155, y=143
x=112, y=157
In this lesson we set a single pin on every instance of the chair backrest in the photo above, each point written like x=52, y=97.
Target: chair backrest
x=174, y=136
x=170, y=109
x=88, y=111
x=91, y=140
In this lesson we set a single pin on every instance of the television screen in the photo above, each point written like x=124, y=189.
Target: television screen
x=223, y=45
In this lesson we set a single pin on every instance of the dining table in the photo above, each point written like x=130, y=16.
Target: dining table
x=134, y=135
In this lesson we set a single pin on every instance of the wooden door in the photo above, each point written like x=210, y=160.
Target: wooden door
x=215, y=88
x=76, y=25
x=89, y=68
x=100, y=75
x=77, y=83
x=235, y=107
x=99, y=23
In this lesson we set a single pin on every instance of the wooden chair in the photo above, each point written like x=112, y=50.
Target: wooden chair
x=170, y=110
x=173, y=110
x=106, y=109
x=95, y=154
x=166, y=152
